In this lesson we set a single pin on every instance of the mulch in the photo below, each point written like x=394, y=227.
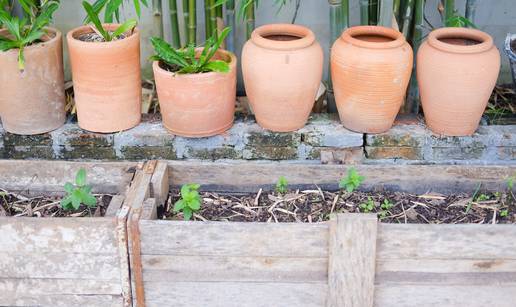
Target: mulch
x=310, y=206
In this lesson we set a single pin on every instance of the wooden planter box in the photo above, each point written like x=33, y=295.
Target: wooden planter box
x=350, y=261
x=64, y=261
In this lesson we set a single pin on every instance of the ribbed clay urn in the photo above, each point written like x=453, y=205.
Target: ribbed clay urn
x=106, y=80
x=370, y=68
x=33, y=101
x=457, y=69
x=197, y=105
x=282, y=65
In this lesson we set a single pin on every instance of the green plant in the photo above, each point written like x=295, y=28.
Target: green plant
x=367, y=206
x=510, y=182
x=112, y=9
x=386, y=205
x=78, y=193
x=187, y=61
x=28, y=30
x=482, y=197
x=190, y=201
x=107, y=35
x=282, y=185
x=504, y=213
x=352, y=181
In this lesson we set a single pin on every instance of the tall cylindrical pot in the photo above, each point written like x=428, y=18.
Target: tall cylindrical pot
x=33, y=101
x=197, y=105
x=106, y=80
x=282, y=66
x=371, y=68
x=457, y=69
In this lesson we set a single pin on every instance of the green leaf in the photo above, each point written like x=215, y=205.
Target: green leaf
x=217, y=66
x=88, y=199
x=94, y=18
x=76, y=199
x=187, y=214
x=179, y=205
x=125, y=27
x=21, y=59
x=112, y=8
x=66, y=202
x=166, y=53
x=195, y=204
x=68, y=187
x=80, y=178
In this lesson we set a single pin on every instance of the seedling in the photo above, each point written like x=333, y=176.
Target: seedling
x=386, y=205
x=367, y=206
x=190, y=201
x=504, y=213
x=510, y=182
x=282, y=185
x=352, y=181
x=187, y=60
x=78, y=193
x=108, y=36
x=482, y=197
x=28, y=30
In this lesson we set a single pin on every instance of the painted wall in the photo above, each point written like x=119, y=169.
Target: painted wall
x=497, y=17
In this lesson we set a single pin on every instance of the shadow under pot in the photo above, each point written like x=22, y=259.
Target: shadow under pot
x=282, y=66
x=106, y=80
x=197, y=105
x=457, y=69
x=32, y=101
x=370, y=68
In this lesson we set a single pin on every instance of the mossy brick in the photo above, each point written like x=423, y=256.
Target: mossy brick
x=458, y=153
x=29, y=152
x=72, y=135
x=405, y=153
x=213, y=154
x=271, y=153
x=88, y=152
x=398, y=136
x=148, y=153
x=272, y=139
x=44, y=139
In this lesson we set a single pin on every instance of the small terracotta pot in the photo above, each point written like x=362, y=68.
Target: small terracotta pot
x=457, y=69
x=33, y=101
x=106, y=81
x=282, y=66
x=197, y=105
x=370, y=68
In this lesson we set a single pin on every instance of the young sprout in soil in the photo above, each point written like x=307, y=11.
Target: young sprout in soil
x=78, y=193
x=504, y=213
x=510, y=182
x=385, y=206
x=107, y=35
x=190, y=201
x=367, y=206
x=187, y=60
x=282, y=185
x=352, y=181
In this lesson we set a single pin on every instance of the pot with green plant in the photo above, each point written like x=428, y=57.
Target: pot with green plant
x=196, y=86
x=105, y=60
x=32, y=95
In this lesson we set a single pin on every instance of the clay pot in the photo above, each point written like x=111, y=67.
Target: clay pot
x=33, y=101
x=282, y=66
x=457, y=69
x=106, y=81
x=197, y=105
x=370, y=68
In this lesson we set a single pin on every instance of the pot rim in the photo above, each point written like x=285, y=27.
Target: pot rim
x=486, y=41
x=201, y=76
x=71, y=35
x=306, y=36
x=397, y=37
x=57, y=36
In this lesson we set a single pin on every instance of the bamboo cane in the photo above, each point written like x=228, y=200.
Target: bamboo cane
x=250, y=22
x=207, y=24
x=174, y=24
x=386, y=12
x=413, y=101
x=230, y=16
x=449, y=11
x=336, y=22
x=407, y=18
x=192, y=22
x=186, y=18
x=364, y=12
x=157, y=17
x=344, y=13
x=213, y=18
x=396, y=9
x=373, y=12
x=471, y=10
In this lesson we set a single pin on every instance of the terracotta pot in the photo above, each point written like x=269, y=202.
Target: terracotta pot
x=33, y=101
x=197, y=105
x=457, y=70
x=370, y=68
x=282, y=65
x=106, y=81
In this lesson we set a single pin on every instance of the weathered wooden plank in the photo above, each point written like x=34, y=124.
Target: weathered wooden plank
x=49, y=177
x=59, y=265
x=12, y=288
x=123, y=254
x=233, y=269
x=352, y=259
x=417, y=241
x=448, y=279
x=114, y=205
x=149, y=209
x=410, y=295
x=230, y=294
x=58, y=235
x=234, y=239
x=445, y=265
x=160, y=183
x=250, y=176
x=56, y=300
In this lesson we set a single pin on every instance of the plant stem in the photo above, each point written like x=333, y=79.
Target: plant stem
x=176, y=38
x=449, y=11
x=296, y=11
x=230, y=17
x=386, y=9
x=471, y=10
x=364, y=12
x=412, y=102
x=407, y=18
x=192, y=22
x=249, y=16
x=186, y=18
x=158, y=18
x=373, y=12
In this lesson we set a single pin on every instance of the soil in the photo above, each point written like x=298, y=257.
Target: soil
x=169, y=68
x=16, y=205
x=513, y=46
x=94, y=37
x=317, y=205
x=502, y=105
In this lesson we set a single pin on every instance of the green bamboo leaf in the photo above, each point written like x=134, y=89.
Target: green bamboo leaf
x=96, y=21
x=125, y=27
x=166, y=53
x=217, y=66
x=112, y=8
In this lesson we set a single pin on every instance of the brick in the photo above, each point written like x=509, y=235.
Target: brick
x=148, y=153
x=407, y=153
x=29, y=152
x=506, y=153
x=458, y=153
x=399, y=136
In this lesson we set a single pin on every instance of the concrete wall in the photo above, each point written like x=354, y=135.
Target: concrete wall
x=495, y=17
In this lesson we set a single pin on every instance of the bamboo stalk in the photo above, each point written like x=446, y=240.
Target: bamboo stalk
x=407, y=17
x=192, y=22
x=336, y=22
x=413, y=101
x=449, y=11
x=213, y=18
x=249, y=19
x=207, y=24
x=157, y=18
x=396, y=9
x=174, y=24
x=186, y=18
x=471, y=10
x=344, y=15
x=230, y=17
x=386, y=12
x=373, y=12
x=364, y=12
